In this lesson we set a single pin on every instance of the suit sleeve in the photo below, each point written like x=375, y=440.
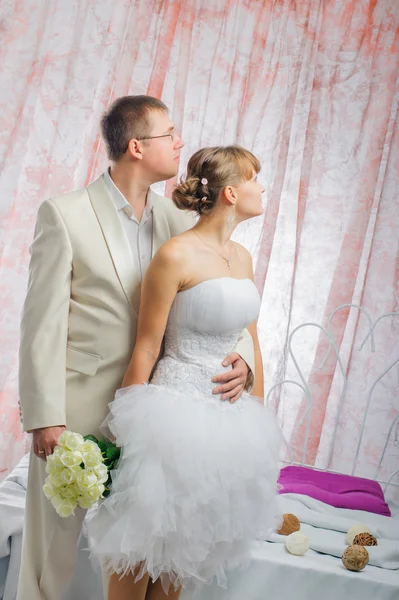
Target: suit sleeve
x=245, y=348
x=44, y=325
x=185, y=220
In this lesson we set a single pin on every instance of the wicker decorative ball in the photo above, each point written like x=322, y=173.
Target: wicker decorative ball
x=354, y=530
x=365, y=539
x=298, y=543
x=355, y=558
x=290, y=524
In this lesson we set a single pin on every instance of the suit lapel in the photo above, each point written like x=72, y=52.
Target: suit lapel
x=116, y=240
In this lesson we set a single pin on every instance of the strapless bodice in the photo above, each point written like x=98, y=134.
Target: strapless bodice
x=204, y=326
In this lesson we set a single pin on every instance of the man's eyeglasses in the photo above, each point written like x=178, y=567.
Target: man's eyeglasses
x=171, y=134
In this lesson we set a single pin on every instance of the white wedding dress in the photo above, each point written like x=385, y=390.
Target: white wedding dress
x=196, y=483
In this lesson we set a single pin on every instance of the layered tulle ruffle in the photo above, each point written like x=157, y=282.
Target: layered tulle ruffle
x=196, y=484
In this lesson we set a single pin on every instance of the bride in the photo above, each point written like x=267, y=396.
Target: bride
x=196, y=483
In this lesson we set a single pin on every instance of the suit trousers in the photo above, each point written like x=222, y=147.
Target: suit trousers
x=50, y=543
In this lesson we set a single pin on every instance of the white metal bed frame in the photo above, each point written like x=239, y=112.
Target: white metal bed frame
x=309, y=402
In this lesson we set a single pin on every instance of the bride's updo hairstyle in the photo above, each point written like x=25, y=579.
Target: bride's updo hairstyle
x=209, y=171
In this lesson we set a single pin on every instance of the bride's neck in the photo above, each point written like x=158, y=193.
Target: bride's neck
x=215, y=228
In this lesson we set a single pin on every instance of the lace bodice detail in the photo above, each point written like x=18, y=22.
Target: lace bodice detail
x=204, y=326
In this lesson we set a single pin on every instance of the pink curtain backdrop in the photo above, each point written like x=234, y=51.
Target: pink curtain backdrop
x=311, y=87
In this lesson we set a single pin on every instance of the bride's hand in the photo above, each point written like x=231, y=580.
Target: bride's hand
x=234, y=380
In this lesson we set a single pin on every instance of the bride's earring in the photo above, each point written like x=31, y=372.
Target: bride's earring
x=231, y=216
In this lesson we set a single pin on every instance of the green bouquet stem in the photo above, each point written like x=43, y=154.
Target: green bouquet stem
x=111, y=454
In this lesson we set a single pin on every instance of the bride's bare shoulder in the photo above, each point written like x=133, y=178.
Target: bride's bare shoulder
x=244, y=256
x=241, y=251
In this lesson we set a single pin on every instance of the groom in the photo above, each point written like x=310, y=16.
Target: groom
x=90, y=252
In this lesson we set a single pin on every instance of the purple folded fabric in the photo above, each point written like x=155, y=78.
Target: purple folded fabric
x=342, y=491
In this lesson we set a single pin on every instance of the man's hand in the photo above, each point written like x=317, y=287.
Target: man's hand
x=45, y=440
x=234, y=380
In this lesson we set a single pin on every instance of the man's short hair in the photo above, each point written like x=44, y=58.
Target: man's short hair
x=127, y=118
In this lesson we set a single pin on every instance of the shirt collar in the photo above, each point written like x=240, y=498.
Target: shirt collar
x=119, y=199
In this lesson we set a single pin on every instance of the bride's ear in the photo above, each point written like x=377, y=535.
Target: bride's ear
x=229, y=195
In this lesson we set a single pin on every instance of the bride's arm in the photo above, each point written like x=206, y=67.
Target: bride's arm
x=258, y=387
x=160, y=286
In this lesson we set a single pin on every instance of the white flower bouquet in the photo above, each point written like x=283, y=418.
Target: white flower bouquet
x=79, y=472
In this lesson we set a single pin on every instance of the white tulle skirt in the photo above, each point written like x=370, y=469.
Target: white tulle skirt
x=196, y=484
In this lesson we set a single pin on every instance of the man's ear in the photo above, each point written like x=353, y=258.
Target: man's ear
x=134, y=147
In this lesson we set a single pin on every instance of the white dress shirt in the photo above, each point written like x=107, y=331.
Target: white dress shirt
x=138, y=233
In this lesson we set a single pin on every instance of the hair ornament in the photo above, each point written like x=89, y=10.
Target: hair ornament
x=204, y=181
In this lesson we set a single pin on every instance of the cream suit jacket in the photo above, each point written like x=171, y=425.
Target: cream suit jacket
x=80, y=315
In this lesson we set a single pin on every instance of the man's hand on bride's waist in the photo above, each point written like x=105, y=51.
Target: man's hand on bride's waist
x=232, y=382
